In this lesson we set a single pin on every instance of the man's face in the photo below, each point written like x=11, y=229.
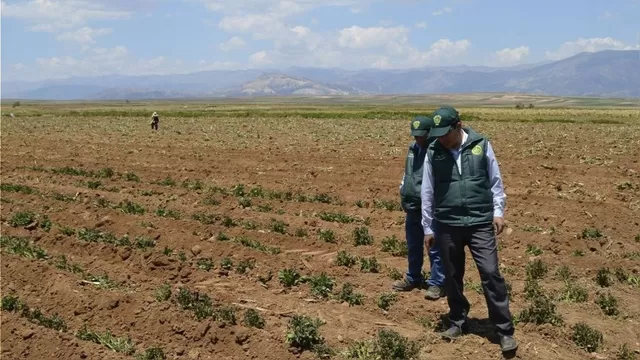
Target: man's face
x=451, y=139
x=421, y=140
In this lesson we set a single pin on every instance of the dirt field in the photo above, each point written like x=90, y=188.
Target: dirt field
x=181, y=242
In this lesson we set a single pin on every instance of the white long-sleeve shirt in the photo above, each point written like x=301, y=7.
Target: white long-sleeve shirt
x=495, y=179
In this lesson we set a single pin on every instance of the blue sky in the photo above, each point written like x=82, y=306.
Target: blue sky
x=61, y=38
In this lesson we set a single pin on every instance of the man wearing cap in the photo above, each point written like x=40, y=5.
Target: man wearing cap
x=463, y=197
x=411, y=203
x=155, y=119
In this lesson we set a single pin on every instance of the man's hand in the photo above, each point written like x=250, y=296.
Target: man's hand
x=429, y=241
x=498, y=225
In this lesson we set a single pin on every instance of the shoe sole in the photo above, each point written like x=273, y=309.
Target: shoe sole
x=510, y=349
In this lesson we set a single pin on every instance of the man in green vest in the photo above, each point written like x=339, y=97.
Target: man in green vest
x=411, y=203
x=463, y=201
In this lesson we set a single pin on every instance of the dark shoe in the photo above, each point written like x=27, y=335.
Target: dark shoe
x=508, y=343
x=405, y=285
x=452, y=333
x=434, y=293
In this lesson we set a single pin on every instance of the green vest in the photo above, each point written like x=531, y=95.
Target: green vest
x=462, y=199
x=410, y=189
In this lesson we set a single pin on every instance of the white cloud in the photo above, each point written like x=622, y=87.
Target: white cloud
x=442, y=11
x=260, y=58
x=261, y=25
x=511, y=56
x=84, y=35
x=56, y=15
x=234, y=43
x=421, y=25
x=571, y=48
x=356, y=37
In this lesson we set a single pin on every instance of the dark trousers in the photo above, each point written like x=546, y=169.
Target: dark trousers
x=154, y=125
x=481, y=241
x=415, y=248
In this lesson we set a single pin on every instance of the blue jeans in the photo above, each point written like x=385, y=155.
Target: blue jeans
x=415, y=245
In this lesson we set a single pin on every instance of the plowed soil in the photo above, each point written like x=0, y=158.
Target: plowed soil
x=573, y=188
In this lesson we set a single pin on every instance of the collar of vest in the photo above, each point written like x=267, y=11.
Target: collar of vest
x=472, y=138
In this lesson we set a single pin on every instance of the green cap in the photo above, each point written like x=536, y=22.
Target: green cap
x=421, y=125
x=444, y=120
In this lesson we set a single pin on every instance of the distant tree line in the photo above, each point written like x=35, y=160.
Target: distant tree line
x=523, y=106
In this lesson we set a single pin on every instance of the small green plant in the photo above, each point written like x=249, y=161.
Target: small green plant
x=199, y=304
x=392, y=245
x=637, y=238
x=129, y=207
x=222, y=237
x=541, y=311
x=278, y=226
x=301, y=232
x=122, y=345
x=24, y=189
x=22, y=247
x=362, y=204
x=327, y=236
x=289, y=277
x=586, y=337
x=12, y=303
x=389, y=205
x=209, y=219
x=93, y=184
x=205, y=264
x=163, y=212
x=264, y=208
x=345, y=259
x=578, y=252
x=608, y=303
x=574, y=293
x=67, y=231
x=564, y=273
x=533, y=250
x=348, y=295
x=590, y=233
x=385, y=300
x=369, y=265
x=129, y=176
x=303, y=333
x=152, y=353
x=604, y=278
x=321, y=285
x=254, y=244
x=536, y=269
x=226, y=263
x=225, y=314
x=22, y=219
x=163, y=293
x=252, y=318
x=228, y=222
x=624, y=353
x=245, y=265
x=336, y=217
x=244, y=202
x=621, y=275
x=46, y=223
x=361, y=236
x=395, y=274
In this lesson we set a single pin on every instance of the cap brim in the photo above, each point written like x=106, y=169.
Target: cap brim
x=439, y=131
x=419, y=132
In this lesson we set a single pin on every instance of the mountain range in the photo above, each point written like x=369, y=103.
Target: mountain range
x=606, y=73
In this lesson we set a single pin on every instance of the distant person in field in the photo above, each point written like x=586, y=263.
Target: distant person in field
x=411, y=204
x=463, y=203
x=155, y=120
